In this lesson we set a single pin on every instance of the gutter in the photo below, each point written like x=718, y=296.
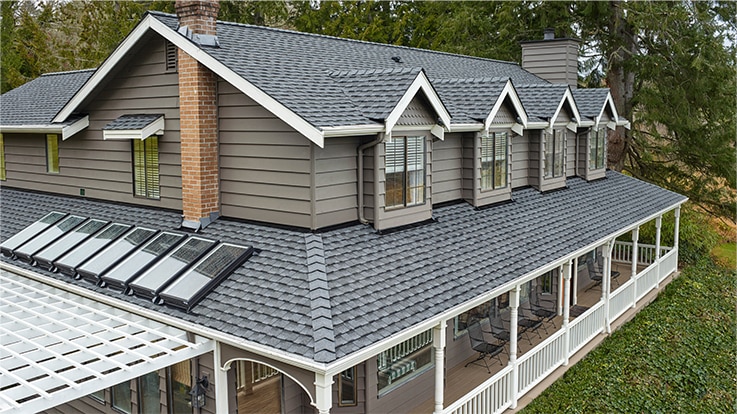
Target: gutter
x=361, y=149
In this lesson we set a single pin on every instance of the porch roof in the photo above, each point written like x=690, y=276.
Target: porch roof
x=373, y=285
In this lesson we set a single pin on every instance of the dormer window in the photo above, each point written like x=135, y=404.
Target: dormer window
x=554, y=144
x=597, y=146
x=494, y=160
x=405, y=172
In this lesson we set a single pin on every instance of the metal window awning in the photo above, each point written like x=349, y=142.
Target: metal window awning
x=137, y=126
x=57, y=346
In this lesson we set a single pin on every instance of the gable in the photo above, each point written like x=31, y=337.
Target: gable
x=506, y=114
x=418, y=113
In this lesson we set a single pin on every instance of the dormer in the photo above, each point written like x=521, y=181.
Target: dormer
x=598, y=117
x=553, y=123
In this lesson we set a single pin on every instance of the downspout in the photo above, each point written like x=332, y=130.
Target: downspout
x=361, y=149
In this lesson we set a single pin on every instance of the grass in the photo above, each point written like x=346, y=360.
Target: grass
x=676, y=356
x=726, y=255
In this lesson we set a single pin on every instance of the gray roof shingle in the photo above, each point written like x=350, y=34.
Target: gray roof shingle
x=590, y=101
x=364, y=286
x=295, y=68
x=541, y=100
x=127, y=122
x=38, y=101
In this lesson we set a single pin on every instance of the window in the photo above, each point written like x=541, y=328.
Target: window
x=52, y=153
x=463, y=320
x=179, y=385
x=546, y=281
x=494, y=156
x=554, y=144
x=2, y=157
x=405, y=171
x=98, y=396
x=121, y=395
x=347, y=387
x=149, y=398
x=404, y=361
x=146, y=167
x=597, y=146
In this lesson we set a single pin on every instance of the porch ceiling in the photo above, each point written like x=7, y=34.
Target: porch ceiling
x=56, y=346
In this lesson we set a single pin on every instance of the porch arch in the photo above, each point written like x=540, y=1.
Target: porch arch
x=310, y=393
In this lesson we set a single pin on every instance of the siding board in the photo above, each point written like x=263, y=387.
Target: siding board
x=447, y=169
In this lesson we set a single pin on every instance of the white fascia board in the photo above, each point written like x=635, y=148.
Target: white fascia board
x=567, y=97
x=352, y=130
x=623, y=122
x=539, y=125
x=507, y=92
x=468, y=127
x=154, y=128
x=362, y=355
x=75, y=127
x=588, y=123
x=420, y=82
x=149, y=22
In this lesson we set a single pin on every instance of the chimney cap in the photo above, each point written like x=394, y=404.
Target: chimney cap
x=549, y=33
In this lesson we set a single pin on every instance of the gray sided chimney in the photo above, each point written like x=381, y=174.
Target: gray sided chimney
x=555, y=60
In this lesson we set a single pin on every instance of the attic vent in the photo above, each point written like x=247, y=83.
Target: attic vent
x=171, y=57
x=397, y=59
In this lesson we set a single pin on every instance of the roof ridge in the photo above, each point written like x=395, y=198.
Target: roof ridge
x=323, y=333
x=362, y=72
x=350, y=40
x=498, y=79
x=68, y=72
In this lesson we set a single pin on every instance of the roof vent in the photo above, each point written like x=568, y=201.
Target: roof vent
x=171, y=57
x=397, y=59
x=549, y=34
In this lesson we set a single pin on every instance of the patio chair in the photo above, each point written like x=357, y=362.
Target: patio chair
x=500, y=331
x=594, y=274
x=480, y=345
x=528, y=321
x=600, y=265
x=544, y=307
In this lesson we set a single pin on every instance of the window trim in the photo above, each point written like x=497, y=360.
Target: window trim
x=554, y=135
x=130, y=398
x=414, y=374
x=594, y=141
x=354, y=370
x=50, y=158
x=147, y=192
x=98, y=399
x=493, y=136
x=405, y=185
x=139, y=389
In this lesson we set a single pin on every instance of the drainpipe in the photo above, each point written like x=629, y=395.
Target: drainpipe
x=361, y=149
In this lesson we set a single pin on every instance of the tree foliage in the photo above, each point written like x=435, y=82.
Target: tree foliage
x=670, y=65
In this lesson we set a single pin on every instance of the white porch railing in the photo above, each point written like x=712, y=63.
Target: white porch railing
x=586, y=327
x=622, y=253
x=495, y=394
x=621, y=299
x=535, y=365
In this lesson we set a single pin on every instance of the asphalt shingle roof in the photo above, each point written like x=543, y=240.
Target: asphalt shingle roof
x=328, y=295
x=127, y=122
x=295, y=68
x=541, y=100
x=38, y=101
x=590, y=101
x=470, y=100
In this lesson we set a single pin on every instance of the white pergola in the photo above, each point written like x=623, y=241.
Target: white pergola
x=57, y=346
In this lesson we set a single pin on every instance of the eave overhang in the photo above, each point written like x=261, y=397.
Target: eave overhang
x=152, y=126
x=65, y=130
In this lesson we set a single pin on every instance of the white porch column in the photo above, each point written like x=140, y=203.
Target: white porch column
x=574, y=297
x=560, y=290
x=513, y=312
x=606, y=283
x=635, y=259
x=566, y=309
x=677, y=225
x=438, y=342
x=658, y=225
x=221, y=381
x=323, y=393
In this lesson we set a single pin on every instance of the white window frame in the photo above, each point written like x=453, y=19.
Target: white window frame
x=556, y=166
x=52, y=153
x=412, y=165
x=150, y=168
x=597, y=149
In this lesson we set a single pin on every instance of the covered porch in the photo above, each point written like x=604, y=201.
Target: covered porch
x=585, y=310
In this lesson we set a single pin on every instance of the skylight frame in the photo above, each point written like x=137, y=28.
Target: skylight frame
x=138, y=287
x=95, y=277
x=40, y=241
x=45, y=258
x=106, y=280
x=28, y=233
x=188, y=303
x=88, y=248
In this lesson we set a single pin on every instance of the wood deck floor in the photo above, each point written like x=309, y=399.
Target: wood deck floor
x=460, y=380
x=266, y=398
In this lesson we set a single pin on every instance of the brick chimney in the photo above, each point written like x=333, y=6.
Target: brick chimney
x=555, y=60
x=198, y=120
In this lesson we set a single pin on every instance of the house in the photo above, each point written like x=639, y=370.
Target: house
x=381, y=200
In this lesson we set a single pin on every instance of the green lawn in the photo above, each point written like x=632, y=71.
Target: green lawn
x=678, y=355
x=726, y=254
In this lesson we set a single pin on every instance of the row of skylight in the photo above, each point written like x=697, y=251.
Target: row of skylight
x=167, y=267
